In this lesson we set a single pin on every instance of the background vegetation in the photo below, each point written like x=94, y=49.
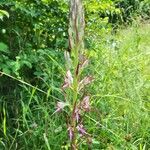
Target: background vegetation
x=33, y=38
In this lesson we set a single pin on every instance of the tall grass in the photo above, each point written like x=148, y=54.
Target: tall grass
x=121, y=67
x=120, y=112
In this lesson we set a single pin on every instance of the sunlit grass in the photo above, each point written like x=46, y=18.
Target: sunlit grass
x=122, y=86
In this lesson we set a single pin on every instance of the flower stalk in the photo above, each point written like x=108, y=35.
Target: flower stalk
x=73, y=86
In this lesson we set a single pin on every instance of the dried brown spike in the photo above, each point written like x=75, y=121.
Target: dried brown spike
x=76, y=24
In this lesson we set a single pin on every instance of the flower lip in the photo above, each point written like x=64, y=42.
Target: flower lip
x=81, y=129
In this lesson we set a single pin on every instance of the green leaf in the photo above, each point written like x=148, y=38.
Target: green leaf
x=6, y=70
x=3, y=13
x=3, y=47
x=27, y=63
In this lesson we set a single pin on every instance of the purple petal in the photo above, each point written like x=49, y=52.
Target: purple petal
x=81, y=129
x=68, y=80
x=77, y=114
x=70, y=133
x=85, y=104
x=65, y=85
x=85, y=81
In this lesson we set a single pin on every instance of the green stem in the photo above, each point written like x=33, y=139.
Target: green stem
x=75, y=97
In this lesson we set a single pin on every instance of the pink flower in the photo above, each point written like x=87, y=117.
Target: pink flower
x=60, y=106
x=77, y=114
x=85, y=104
x=68, y=80
x=85, y=81
x=81, y=129
x=70, y=130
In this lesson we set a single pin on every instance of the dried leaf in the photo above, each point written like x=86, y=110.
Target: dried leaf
x=76, y=24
